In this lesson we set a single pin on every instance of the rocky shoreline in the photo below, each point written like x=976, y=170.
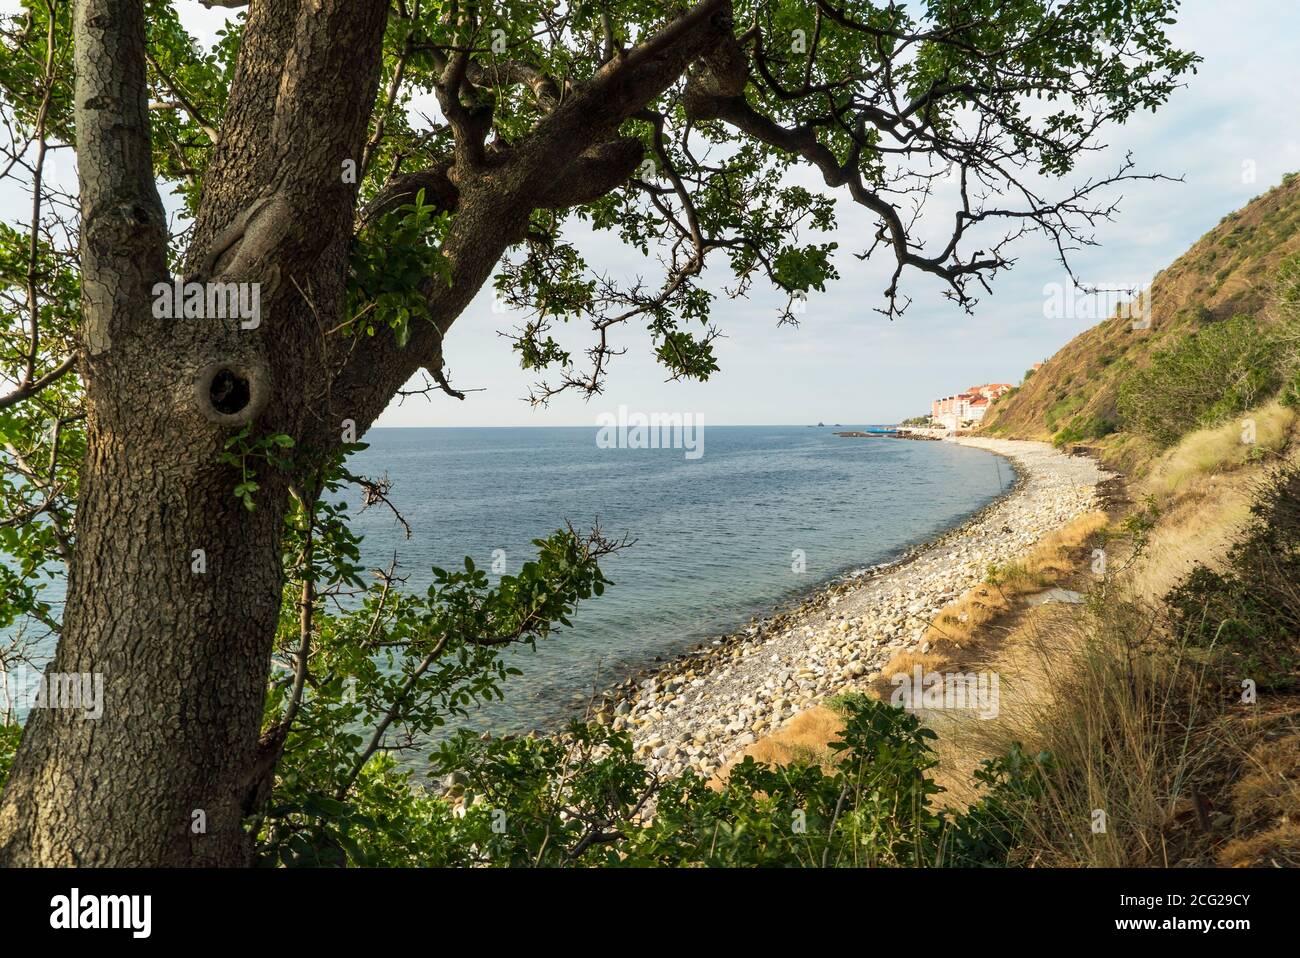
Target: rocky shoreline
x=699, y=710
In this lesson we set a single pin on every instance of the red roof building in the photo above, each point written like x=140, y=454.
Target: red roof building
x=968, y=405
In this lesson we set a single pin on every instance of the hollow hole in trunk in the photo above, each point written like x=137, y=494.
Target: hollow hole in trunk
x=230, y=393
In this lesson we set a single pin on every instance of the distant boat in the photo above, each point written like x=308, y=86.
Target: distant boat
x=822, y=424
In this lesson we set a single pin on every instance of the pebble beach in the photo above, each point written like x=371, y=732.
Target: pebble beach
x=698, y=711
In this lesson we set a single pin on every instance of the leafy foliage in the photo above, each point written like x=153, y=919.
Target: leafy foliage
x=581, y=799
x=1249, y=611
x=390, y=262
x=242, y=452
x=1084, y=427
x=1204, y=378
x=399, y=664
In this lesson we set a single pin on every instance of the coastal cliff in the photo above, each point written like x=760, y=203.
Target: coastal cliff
x=1235, y=270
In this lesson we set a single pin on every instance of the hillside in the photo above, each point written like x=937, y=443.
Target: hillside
x=1230, y=271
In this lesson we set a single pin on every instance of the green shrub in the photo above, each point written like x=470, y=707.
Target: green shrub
x=578, y=799
x=1249, y=613
x=1290, y=395
x=1062, y=408
x=993, y=829
x=1206, y=377
x=1065, y=437
x=1080, y=429
x=1288, y=283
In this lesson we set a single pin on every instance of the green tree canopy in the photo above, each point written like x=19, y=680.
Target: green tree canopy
x=372, y=165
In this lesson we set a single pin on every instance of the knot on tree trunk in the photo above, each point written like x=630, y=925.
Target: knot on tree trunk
x=231, y=393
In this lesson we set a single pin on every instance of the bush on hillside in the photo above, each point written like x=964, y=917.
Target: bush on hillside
x=1206, y=377
x=1067, y=404
x=1084, y=428
x=1288, y=284
x=1290, y=395
x=1250, y=611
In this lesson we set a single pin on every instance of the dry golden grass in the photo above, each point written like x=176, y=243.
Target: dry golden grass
x=1124, y=714
x=1203, y=488
x=965, y=740
x=905, y=663
x=1056, y=556
x=1266, y=805
x=1196, y=527
x=958, y=627
x=1278, y=847
x=803, y=739
x=1221, y=449
x=1129, y=724
x=1133, y=722
x=1133, y=725
x=960, y=622
x=1051, y=562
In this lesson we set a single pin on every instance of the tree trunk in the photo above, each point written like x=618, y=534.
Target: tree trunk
x=182, y=637
x=174, y=588
x=159, y=778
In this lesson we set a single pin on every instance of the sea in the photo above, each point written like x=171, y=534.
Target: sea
x=754, y=518
x=745, y=520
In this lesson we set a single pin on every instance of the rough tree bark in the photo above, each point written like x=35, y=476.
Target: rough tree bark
x=185, y=655
x=161, y=777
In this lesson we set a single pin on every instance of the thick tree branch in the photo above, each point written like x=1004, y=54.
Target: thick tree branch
x=124, y=231
x=619, y=90
x=572, y=156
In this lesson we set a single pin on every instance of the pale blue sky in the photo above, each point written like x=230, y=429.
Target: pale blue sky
x=847, y=363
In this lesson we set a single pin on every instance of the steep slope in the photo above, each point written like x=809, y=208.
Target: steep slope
x=1231, y=270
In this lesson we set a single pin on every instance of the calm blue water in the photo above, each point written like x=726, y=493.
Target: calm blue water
x=714, y=536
